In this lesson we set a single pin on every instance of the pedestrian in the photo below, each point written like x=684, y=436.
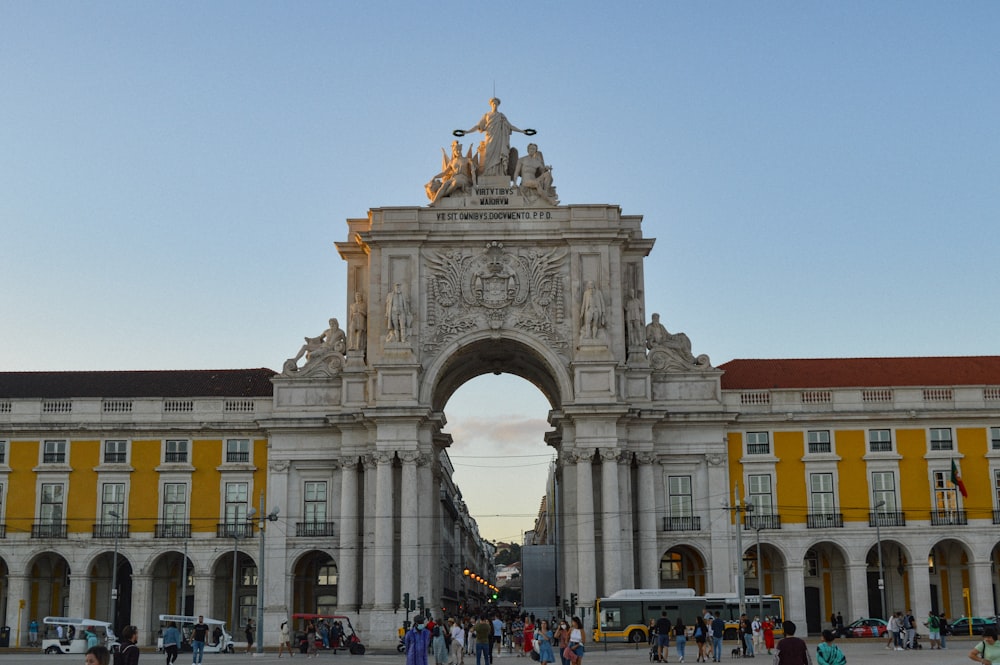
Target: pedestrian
x=90, y=635
x=944, y=628
x=701, y=638
x=828, y=653
x=285, y=641
x=199, y=633
x=934, y=630
x=544, y=635
x=528, y=635
x=576, y=640
x=768, y=628
x=33, y=633
x=663, y=627
x=439, y=645
x=718, y=632
x=987, y=651
x=484, y=641
x=457, y=642
x=746, y=636
x=680, y=638
x=561, y=637
x=497, y=634
x=171, y=642
x=128, y=654
x=311, y=641
x=791, y=650
x=97, y=656
x=249, y=632
x=416, y=642
x=757, y=633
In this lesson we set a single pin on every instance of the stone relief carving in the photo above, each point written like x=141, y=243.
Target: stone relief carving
x=358, y=324
x=398, y=316
x=609, y=454
x=633, y=321
x=495, y=288
x=536, y=177
x=645, y=458
x=324, y=354
x=278, y=465
x=715, y=459
x=592, y=316
x=671, y=351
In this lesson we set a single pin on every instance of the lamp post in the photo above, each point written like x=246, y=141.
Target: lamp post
x=760, y=562
x=114, y=571
x=881, y=570
x=237, y=534
x=740, y=576
x=270, y=517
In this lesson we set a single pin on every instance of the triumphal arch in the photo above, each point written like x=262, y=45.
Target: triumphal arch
x=494, y=274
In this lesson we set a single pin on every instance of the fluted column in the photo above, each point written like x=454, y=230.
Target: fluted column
x=625, y=537
x=611, y=552
x=350, y=551
x=383, y=530
x=649, y=556
x=586, y=554
x=409, y=547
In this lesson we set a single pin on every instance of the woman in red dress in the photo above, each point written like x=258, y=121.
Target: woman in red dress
x=529, y=633
x=768, y=627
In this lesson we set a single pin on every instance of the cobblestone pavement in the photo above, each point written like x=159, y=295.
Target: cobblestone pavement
x=858, y=652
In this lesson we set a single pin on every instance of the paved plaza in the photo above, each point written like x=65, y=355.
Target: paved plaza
x=858, y=652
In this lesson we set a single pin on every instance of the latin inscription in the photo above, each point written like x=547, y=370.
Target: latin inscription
x=487, y=215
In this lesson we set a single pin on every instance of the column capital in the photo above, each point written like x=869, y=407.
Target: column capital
x=348, y=463
x=409, y=456
x=645, y=458
x=608, y=454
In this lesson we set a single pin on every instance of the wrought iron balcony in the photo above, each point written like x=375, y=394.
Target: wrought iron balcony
x=752, y=522
x=887, y=518
x=692, y=523
x=315, y=529
x=173, y=530
x=237, y=457
x=111, y=530
x=234, y=530
x=948, y=517
x=48, y=530
x=824, y=520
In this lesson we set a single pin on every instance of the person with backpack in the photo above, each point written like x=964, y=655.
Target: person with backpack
x=828, y=653
x=934, y=629
x=987, y=652
x=128, y=654
x=700, y=633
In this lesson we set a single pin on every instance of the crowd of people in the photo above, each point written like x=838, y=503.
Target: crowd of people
x=523, y=635
x=707, y=631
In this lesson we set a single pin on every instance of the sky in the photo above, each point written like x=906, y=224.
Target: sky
x=821, y=178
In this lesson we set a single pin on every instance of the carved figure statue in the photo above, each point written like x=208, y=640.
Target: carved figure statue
x=634, y=319
x=326, y=349
x=535, y=176
x=358, y=338
x=397, y=315
x=592, y=311
x=495, y=155
x=457, y=174
x=657, y=337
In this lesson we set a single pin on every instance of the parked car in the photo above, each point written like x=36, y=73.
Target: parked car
x=961, y=626
x=865, y=628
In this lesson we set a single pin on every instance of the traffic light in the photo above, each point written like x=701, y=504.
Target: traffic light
x=572, y=601
x=406, y=601
x=420, y=604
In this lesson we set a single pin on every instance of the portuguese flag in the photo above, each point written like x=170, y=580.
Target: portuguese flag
x=957, y=479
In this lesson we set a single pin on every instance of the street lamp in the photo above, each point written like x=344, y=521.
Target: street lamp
x=237, y=534
x=760, y=562
x=881, y=570
x=270, y=517
x=114, y=570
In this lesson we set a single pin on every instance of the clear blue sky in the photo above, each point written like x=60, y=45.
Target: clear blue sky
x=821, y=177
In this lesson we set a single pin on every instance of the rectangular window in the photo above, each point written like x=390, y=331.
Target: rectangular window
x=51, y=508
x=174, y=503
x=759, y=488
x=54, y=452
x=819, y=441
x=941, y=438
x=679, y=500
x=821, y=493
x=884, y=489
x=3, y=452
x=945, y=493
x=758, y=443
x=112, y=500
x=238, y=450
x=879, y=441
x=996, y=488
x=995, y=438
x=237, y=495
x=176, y=450
x=315, y=502
x=114, y=451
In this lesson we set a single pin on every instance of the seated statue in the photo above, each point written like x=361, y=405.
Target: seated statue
x=458, y=175
x=669, y=348
x=536, y=177
x=327, y=348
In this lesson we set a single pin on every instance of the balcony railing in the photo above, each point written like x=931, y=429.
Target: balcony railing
x=948, y=517
x=173, y=456
x=754, y=522
x=173, y=530
x=887, y=518
x=758, y=449
x=111, y=530
x=234, y=530
x=315, y=529
x=53, y=458
x=692, y=523
x=233, y=456
x=823, y=520
x=49, y=530
x=114, y=458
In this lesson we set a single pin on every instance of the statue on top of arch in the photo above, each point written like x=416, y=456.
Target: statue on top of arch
x=324, y=354
x=495, y=162
x=671, y=351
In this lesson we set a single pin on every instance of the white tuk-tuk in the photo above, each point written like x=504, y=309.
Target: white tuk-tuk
x=67, y=634
x=218, y=639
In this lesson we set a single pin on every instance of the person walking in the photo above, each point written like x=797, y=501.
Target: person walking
x=457, y=642
x=828, y=653
x=987, y=651
x=791, y=650
x=128, y=654
x=285, y=639
x=768, y=628
x=484, y=641
x=416, y=642
x=33, y=633
x=544, y=635
x=576, y=640
x=718, y=632
x=249, y=633
x=98, y=655
x=171, y=642
x=701, y=638
x=561, y=637
x=680, y=638
x=199, y=633
x=757, y=632
x=663, y=628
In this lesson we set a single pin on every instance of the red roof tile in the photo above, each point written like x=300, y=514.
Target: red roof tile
x=860, y=372
x=168, y=383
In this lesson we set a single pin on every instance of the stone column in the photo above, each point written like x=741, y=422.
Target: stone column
x=920, y=588
x=142, y=611
x=586, y=554
x=981, y=588
x=348, y=579
x=649, y=555
x=384, y=520
x=611, y=552
x=625, y=537
x=567, y=525
x=429, y=566
x=204, y=597
x=409, y=537
x=79, y=587
x=857, y=590
x=19, y=588
x=795, y=595
x=720, y=525
x=369, y=570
